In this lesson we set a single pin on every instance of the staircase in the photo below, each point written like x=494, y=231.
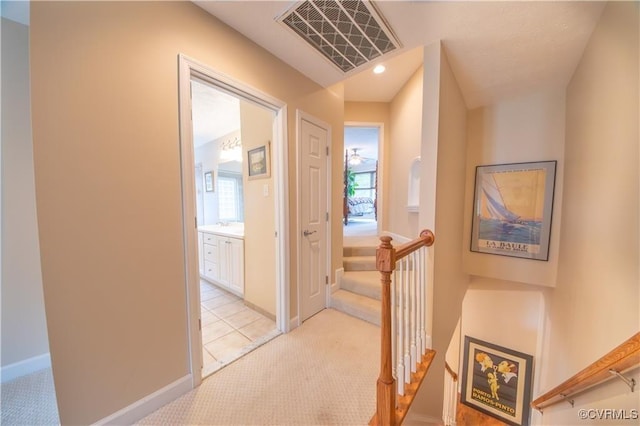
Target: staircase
x=360, y=289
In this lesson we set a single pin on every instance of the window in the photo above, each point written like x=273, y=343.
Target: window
x=230, y=205
x=365, y=184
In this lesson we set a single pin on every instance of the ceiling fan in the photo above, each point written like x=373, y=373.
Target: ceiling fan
x=355, y=159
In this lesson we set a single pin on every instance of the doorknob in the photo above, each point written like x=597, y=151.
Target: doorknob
x=306, y=233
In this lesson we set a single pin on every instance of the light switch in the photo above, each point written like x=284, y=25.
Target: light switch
x=265, y=190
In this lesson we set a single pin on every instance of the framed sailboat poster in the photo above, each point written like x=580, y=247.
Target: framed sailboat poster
x=512, y=209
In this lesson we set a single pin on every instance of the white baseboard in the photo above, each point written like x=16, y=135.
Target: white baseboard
x=24, y=367
x=294, y=323
x=338, y=284
x=150, y=403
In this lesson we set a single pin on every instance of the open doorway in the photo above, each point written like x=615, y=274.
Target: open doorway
x=361, y=204
x=237, y=308
x=233, y=195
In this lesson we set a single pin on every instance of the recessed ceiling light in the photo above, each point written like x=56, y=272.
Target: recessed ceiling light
x=379, y=69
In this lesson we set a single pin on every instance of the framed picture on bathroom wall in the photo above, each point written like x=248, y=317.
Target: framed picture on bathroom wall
x=259, y=162
x=497, y=381
x=512, y=209
x=208, y=181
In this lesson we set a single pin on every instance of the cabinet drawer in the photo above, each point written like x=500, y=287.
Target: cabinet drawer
x=210, y=252
x=209, y=239
x=211, y=270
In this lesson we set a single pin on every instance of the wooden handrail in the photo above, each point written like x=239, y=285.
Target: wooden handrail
x=426, y=239
x=453, y=374
x=621, y=359
x=386, y=257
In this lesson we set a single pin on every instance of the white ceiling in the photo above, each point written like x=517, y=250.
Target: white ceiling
x=497, y=50
x=214, y=113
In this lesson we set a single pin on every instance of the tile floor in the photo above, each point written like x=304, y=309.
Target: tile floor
x=229, y=328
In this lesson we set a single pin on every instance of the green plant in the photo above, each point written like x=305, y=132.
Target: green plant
x=351, y=183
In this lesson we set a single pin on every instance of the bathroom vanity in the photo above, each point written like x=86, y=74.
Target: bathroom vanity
x=221, y=255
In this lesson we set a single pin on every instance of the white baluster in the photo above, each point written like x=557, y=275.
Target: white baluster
x=450, y=402
x=423, y=286
x=400, y=330
x=407, y=321
x=445, y=404
x=420, y=306
x=413, y=313
x=453, y=399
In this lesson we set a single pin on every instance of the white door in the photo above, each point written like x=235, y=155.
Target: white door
x=313, y=195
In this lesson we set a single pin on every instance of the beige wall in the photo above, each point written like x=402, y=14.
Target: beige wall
x=441, y=209
x=106, y=151
x=24, y=329
x=594, y=256
x=404, y=145
x=594, y=306
x=375, y=112
x=528, y=128
x=505, y=290
x=259, y=214
x=508, y=314
x=335, y=117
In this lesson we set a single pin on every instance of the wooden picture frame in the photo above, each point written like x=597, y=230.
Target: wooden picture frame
x=497, y=381
x=512, y=209
x=208, y=182
x=259, y=162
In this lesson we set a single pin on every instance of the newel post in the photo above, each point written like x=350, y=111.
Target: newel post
x=386, y=389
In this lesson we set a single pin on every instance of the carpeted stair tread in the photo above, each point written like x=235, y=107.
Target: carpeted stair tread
x=358, y=306
x=359, y=263
x=359, y=251
x=364, y=283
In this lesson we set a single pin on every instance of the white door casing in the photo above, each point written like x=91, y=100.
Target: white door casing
x=313, y=195
x=188, y=69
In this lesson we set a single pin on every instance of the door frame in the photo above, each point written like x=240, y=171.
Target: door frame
x=187, y=69
x=301, y=115
x=380, y=177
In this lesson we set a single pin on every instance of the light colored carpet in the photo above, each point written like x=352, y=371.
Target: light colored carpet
x=30, y=400
x=322, y=373
x=359, y=227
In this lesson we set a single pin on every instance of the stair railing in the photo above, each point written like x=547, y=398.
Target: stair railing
x=450, y=403
x=405, y=352
x=624, y=357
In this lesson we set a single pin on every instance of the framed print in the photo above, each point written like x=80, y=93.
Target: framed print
x=208, y=181
x=259, y=162
x=512, y=209
x=497, y=381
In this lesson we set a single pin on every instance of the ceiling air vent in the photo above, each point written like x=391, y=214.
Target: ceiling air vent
x=349, y=33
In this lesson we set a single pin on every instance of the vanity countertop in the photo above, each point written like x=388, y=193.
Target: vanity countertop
x=232, y=230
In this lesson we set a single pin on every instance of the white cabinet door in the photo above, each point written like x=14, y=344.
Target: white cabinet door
x=223, y=260
x=236, y=265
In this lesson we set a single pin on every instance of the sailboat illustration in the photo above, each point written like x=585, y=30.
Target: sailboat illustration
x=494, y=206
